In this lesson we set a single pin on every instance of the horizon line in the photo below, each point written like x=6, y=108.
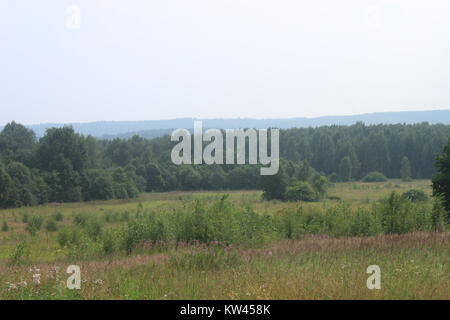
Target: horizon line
x=224, y=118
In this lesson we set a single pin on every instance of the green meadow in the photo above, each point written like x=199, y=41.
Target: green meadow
x=230, y=245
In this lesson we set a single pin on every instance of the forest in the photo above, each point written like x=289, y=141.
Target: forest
x=64, y=166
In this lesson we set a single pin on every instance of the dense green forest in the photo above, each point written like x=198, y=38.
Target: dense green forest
x=64, y=166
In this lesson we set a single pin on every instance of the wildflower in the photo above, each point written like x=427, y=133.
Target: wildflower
x=37, y=279
x=22, y=284
x=12, y=286
x=99, y=282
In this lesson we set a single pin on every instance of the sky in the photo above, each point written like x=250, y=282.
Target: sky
x=91, y=60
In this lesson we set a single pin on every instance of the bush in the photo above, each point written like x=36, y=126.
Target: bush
x=78, y=245
x=202, y=223
x=5, y=226
x=374, y=176
x=68, y=237
x=63, y=237
x=58, y=216
x=333, y=197
x=109, y=241
x=364, y=223
x=399, y=215
x=415, y=195
x=90, y=223
x=302, y=191
x=94, y=229
x=34, y=224
x=441, y=182
x=80, y=219
x=21, y=254
x=135, y=232
x=439, y=216
x=320, y=185
x=51, y=226
x=290, y=223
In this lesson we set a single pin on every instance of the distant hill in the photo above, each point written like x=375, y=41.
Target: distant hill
x=155, y=128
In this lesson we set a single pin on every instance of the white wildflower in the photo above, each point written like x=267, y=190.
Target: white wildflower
x=99, y=282
x=37, y=279
x=12, y=286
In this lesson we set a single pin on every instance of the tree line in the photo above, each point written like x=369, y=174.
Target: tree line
x=64, y=166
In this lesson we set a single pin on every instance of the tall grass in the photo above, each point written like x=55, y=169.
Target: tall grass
x=221, y=220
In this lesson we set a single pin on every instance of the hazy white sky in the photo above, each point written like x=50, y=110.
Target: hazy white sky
x=160, y=59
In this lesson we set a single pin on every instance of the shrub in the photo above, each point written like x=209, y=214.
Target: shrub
x=290, y=223
x=58, y=216
x=109, y=238
x=336, y=198
x=34, y=224
x=320, y=185
x=415, y=195
x=63, y=237
x=364, y=223
x=5, y=226
x=441, y=182
x=68, y=237
x=399, y=215
x=135, y=232
x=112, y=216
x=94, y=229
x=51, y=226
x=21, y=254
x=302, y=191
x=439, y=216
x=80, y=219
x=374, y=176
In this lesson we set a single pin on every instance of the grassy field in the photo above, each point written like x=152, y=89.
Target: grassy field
x=206, y=245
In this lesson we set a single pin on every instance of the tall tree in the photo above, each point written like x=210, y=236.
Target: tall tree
x=6, y=187
x=345, y=169
x=405, y=169
x=274, y=187
x=17, y=143
x=441, y=182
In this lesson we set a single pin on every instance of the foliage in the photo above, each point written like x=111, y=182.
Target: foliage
x=415, y=195
x=441, y=182
x=63, y=166
x=320, y=185
x=301, y=191
x=345, y=169
x=58, y=216
x=405, y=169
x=20, y=254
x=274, y=186
x=51, y=226
x=374, y=177
x=34, y=224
